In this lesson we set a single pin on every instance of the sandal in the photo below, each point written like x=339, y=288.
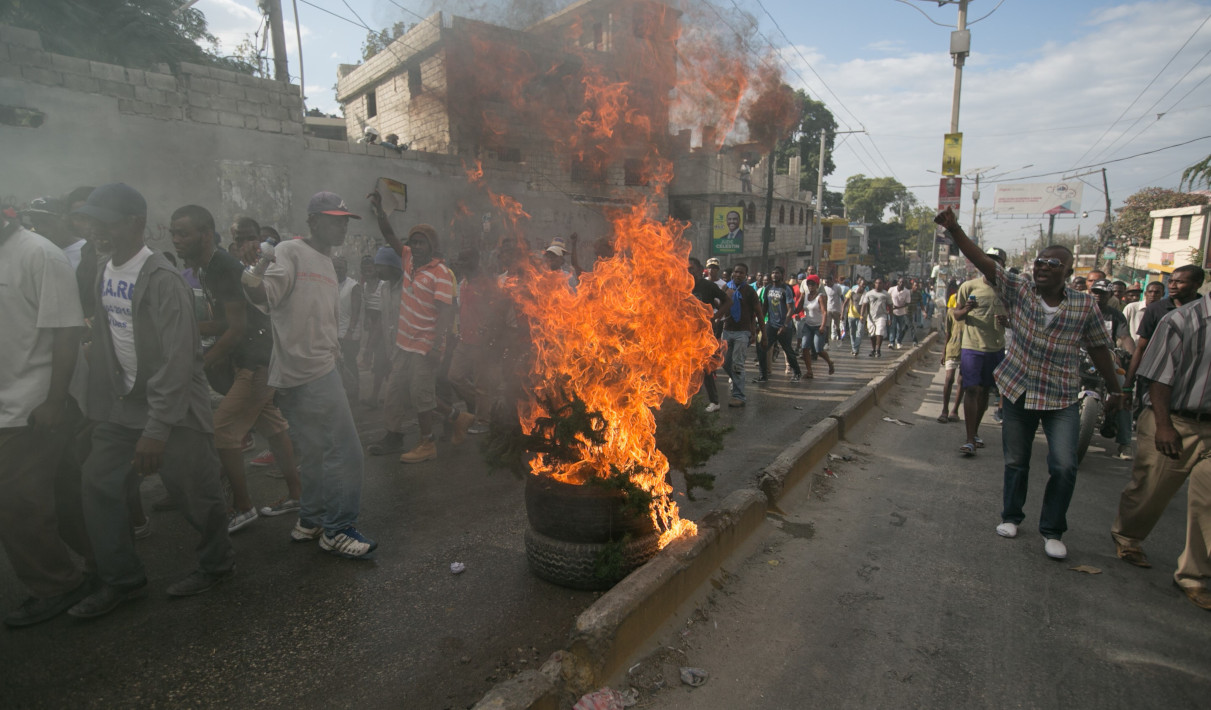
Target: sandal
x=953, y=418
x=942, y=419
x=830, y=367
x=979, y=442
x=968, y=450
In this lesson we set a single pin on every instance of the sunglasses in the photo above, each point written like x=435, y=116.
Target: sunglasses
x=1049, y=263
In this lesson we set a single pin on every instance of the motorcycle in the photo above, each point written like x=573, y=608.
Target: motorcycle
x=1092, y=402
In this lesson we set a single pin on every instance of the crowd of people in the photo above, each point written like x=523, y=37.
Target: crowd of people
x=1023, y=335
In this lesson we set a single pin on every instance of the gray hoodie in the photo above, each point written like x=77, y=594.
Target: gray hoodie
x=170, y=387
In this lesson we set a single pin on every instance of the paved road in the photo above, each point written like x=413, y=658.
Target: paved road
x=298, y=628
x=888, y=587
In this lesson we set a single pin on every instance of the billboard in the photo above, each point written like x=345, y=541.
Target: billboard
x=950, y=194
x=727, y=230
x=1038, y=198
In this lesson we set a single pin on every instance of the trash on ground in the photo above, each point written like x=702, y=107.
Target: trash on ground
x=798, y=407
x=893, y=420
x=607, y=699
x=835, y=457
x=829, y=472
x=774, y=563
x=1086, y=569
x=693, y=677
x=457, y=568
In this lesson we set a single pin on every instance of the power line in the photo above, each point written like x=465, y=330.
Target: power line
x=1148, y=111
x=1144, y=90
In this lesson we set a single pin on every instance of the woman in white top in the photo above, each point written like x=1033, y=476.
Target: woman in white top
x=815, y=323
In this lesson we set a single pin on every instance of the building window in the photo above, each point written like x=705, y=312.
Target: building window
x=800, y=215
x=1183, y=227
x=750, y=214
x=781, y=214
x=1166, y=226
x=371, y=104
x=633, y=173
x=415, y=87
x=585, y=171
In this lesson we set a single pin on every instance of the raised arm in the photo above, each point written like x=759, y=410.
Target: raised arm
x=384, y=225
x=974, y=254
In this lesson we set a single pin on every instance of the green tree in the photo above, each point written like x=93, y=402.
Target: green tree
x=804, y=141
x=1133, y=221
x=918, y=220
x=376, y=42
x=1200, y=172
x=132, y=33
x=867, y=199
x=887, y=242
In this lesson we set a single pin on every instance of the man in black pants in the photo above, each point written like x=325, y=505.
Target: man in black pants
x=778, y=301
x=709, y=293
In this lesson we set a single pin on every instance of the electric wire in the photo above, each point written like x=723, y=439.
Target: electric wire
x=1143, y=91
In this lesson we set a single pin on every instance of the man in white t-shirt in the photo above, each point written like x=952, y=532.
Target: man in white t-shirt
x=41, y=321
x=876, y=306
x=901, y=299
x=147, y=392
x=299, y=291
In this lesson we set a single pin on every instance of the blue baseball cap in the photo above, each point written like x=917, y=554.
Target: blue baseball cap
x=113, y=202
x=386, y=256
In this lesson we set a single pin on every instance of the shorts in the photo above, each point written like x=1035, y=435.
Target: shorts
x=952, y=364
x=249, y=402
x=877, y=326
x=412, y=384
x=976, y=367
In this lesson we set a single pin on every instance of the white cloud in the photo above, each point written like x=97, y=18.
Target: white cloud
x=1048, y=110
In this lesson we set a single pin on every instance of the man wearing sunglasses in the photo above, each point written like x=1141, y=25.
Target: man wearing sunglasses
x=1039, y=378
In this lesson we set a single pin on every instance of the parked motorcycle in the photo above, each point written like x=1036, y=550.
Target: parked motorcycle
x=1092, y=399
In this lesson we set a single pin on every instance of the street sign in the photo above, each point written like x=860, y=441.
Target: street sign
x=952, y=153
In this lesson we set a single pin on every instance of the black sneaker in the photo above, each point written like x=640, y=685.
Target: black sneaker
x=198, y=582
x=35, y=611
x=105, y=600
x=762, y=378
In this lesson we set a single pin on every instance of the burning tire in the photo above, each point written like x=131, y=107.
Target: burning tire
x=581, y=513
x=586, y=565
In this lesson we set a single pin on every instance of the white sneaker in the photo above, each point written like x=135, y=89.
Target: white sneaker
x=712, y=407
x=239, y=521
x=1007, y=530
x=1055, y=549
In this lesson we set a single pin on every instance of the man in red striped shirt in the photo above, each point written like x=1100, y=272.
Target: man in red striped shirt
x=426, y=315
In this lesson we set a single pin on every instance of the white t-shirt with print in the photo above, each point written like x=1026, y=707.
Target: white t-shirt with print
x=117, y=292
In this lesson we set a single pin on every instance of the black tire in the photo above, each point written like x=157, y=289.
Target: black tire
x=574, y=564
x=1091, y=413
x=583, y=514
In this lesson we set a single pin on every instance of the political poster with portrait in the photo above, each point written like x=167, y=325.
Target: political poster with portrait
x=727, y=230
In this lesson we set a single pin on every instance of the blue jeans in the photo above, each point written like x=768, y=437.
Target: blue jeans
x=1062, y=429
x=737, y=349
x=330, y=453
x=814, y=339
x=855, y=328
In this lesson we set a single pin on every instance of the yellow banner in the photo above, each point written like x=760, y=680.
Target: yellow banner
x=837, y=250
x=952, y=153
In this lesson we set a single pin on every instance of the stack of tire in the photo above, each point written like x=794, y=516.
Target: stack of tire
x=573, y=526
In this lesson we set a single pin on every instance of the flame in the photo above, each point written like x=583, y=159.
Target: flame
x=629, y=337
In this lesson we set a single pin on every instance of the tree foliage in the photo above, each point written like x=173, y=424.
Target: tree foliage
x=1198, y=173
x=132, y=33
x=867, y=199
x=887, y=242
x=376, y=42
x=1133, y=220
x=804, y=141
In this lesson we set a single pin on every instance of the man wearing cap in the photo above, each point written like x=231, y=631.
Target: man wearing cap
x=977, y=312
x=554, y=255
x=148, y=394
x=299, y=291
x=46, y=216
x=713, y=272
x=426, y=316
x=370, y=137
x=41, y=321
x=1116, y=327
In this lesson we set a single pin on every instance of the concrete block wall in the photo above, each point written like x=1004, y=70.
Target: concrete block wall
x=196, y=93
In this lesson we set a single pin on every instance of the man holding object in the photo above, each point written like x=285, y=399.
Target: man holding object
x=1039, y=377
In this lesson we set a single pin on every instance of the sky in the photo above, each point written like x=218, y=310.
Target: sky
x=1057, y=85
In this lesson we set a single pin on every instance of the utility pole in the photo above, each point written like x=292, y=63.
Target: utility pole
x=277, y=34
x=767, y=232
x=818, y=216
x=960, y=47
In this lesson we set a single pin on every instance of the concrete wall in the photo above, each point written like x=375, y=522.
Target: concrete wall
x=93, y=133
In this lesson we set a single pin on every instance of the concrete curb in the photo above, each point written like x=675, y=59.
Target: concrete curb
x=617, y=625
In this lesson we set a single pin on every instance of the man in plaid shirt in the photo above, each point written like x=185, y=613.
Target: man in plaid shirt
x=1039, y=378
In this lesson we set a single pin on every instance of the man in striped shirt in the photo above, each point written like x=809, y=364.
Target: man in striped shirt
x=1178, y=426
x=426, y=314
x=1039, y=378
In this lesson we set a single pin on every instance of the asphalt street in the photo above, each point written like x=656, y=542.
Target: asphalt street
x=885, y=585
x=299, y=628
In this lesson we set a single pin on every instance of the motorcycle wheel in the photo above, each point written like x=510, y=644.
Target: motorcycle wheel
x=1091, y=412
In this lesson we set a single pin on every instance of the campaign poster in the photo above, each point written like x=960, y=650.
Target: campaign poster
x=727, y=230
